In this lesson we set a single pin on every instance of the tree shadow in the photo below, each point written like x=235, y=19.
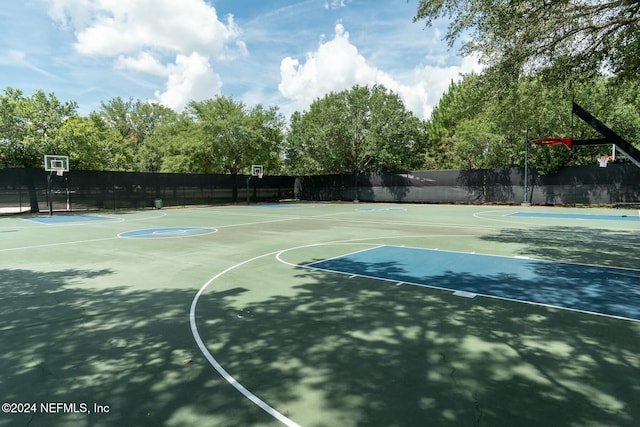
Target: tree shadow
x=608, y=291
x=66, y=340
x=329, y=351
x=573, y=244
x=371, y=353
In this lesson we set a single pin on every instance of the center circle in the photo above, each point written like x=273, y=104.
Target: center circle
x=167, y=232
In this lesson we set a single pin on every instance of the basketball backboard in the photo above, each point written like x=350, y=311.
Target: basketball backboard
x=56, y=163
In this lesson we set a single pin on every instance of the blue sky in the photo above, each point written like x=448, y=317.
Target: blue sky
x=273, y=52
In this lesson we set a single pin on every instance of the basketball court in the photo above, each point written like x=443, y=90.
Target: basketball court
x=306, y=314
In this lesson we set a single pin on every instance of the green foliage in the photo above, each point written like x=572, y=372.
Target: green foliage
x=91, y=144
x=134, y=122
x=235, y=137
x=29, y=126
x=359, y=130
x=472, y=127
x=565, y=40
x=364, y=129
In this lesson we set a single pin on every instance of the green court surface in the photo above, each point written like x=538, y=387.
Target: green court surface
x=216, y=316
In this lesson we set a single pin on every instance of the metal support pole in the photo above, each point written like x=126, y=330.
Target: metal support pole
x=49, y=198
x=525, y=200
x=248, y=197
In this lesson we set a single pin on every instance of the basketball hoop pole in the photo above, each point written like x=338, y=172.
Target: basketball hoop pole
x=49, y=198
x=526, y=165
x=248, y=197
x=256, y=172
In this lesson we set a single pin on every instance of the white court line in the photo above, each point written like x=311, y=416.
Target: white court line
x=118, y=236
x=103, y=219
x=216, y=365
x=111, y=220
x=212, y=360
x=57, y=244
x=441, y=288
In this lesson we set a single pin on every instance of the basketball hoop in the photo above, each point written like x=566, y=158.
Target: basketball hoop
x=604, y=160
x=257, y=171
x=56, y=163
x=567, y=142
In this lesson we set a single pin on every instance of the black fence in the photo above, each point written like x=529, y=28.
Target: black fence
x=27, y=189
x=588, y=185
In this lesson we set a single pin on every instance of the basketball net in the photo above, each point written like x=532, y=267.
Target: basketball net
x=59, y=171
x=604, y=160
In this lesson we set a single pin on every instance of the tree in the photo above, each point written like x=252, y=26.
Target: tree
x=92, y=145
x=235, y=137
x=359, y=130
x=472, y=128
x=566, y=39
x=28, y=130
x=29, y=126
x=135, y=121
x=178, y=147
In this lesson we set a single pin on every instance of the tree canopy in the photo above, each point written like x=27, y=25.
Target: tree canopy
x=472, y=129
x=29, y=126
x=364, y=129
x=564, y=38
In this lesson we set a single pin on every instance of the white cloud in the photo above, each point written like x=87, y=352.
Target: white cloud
x=143, y=62
x=337, y=65
x=335, y=4
x=189, y=78
x=144, y=36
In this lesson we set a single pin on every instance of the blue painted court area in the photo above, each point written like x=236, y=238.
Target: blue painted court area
x=381, y=210
x=67, y=219
x=603, y=290
x=276, y=206
x=622, y=217
x=167, y=232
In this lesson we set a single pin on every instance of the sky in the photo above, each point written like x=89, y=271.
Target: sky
x=269, y=52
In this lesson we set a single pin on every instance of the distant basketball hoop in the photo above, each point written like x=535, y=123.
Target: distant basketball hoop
x=567, y=142
x=257, y=170
x=603, y=161
x=54, y=163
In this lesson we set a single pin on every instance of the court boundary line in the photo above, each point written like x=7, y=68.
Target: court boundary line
x=152, y=231
x=525, y=257
x=214, y=362
x=100, y=219
x=211, y=358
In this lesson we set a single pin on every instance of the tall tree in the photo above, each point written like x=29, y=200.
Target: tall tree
x=363, y=129
x=29, y=126
x=470, y=128
x=135, y=121
x=28, y=130
x=567, y=38
x=92, y=145
x=235, y=137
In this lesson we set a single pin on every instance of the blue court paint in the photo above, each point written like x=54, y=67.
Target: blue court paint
x=381, y=210
x=621, y=217
x=167, y=232
x=603, y=290
x=67, y=219
x=275, y=206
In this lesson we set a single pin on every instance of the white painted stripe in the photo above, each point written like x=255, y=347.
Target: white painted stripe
x=214, y=363
x=465, y=294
